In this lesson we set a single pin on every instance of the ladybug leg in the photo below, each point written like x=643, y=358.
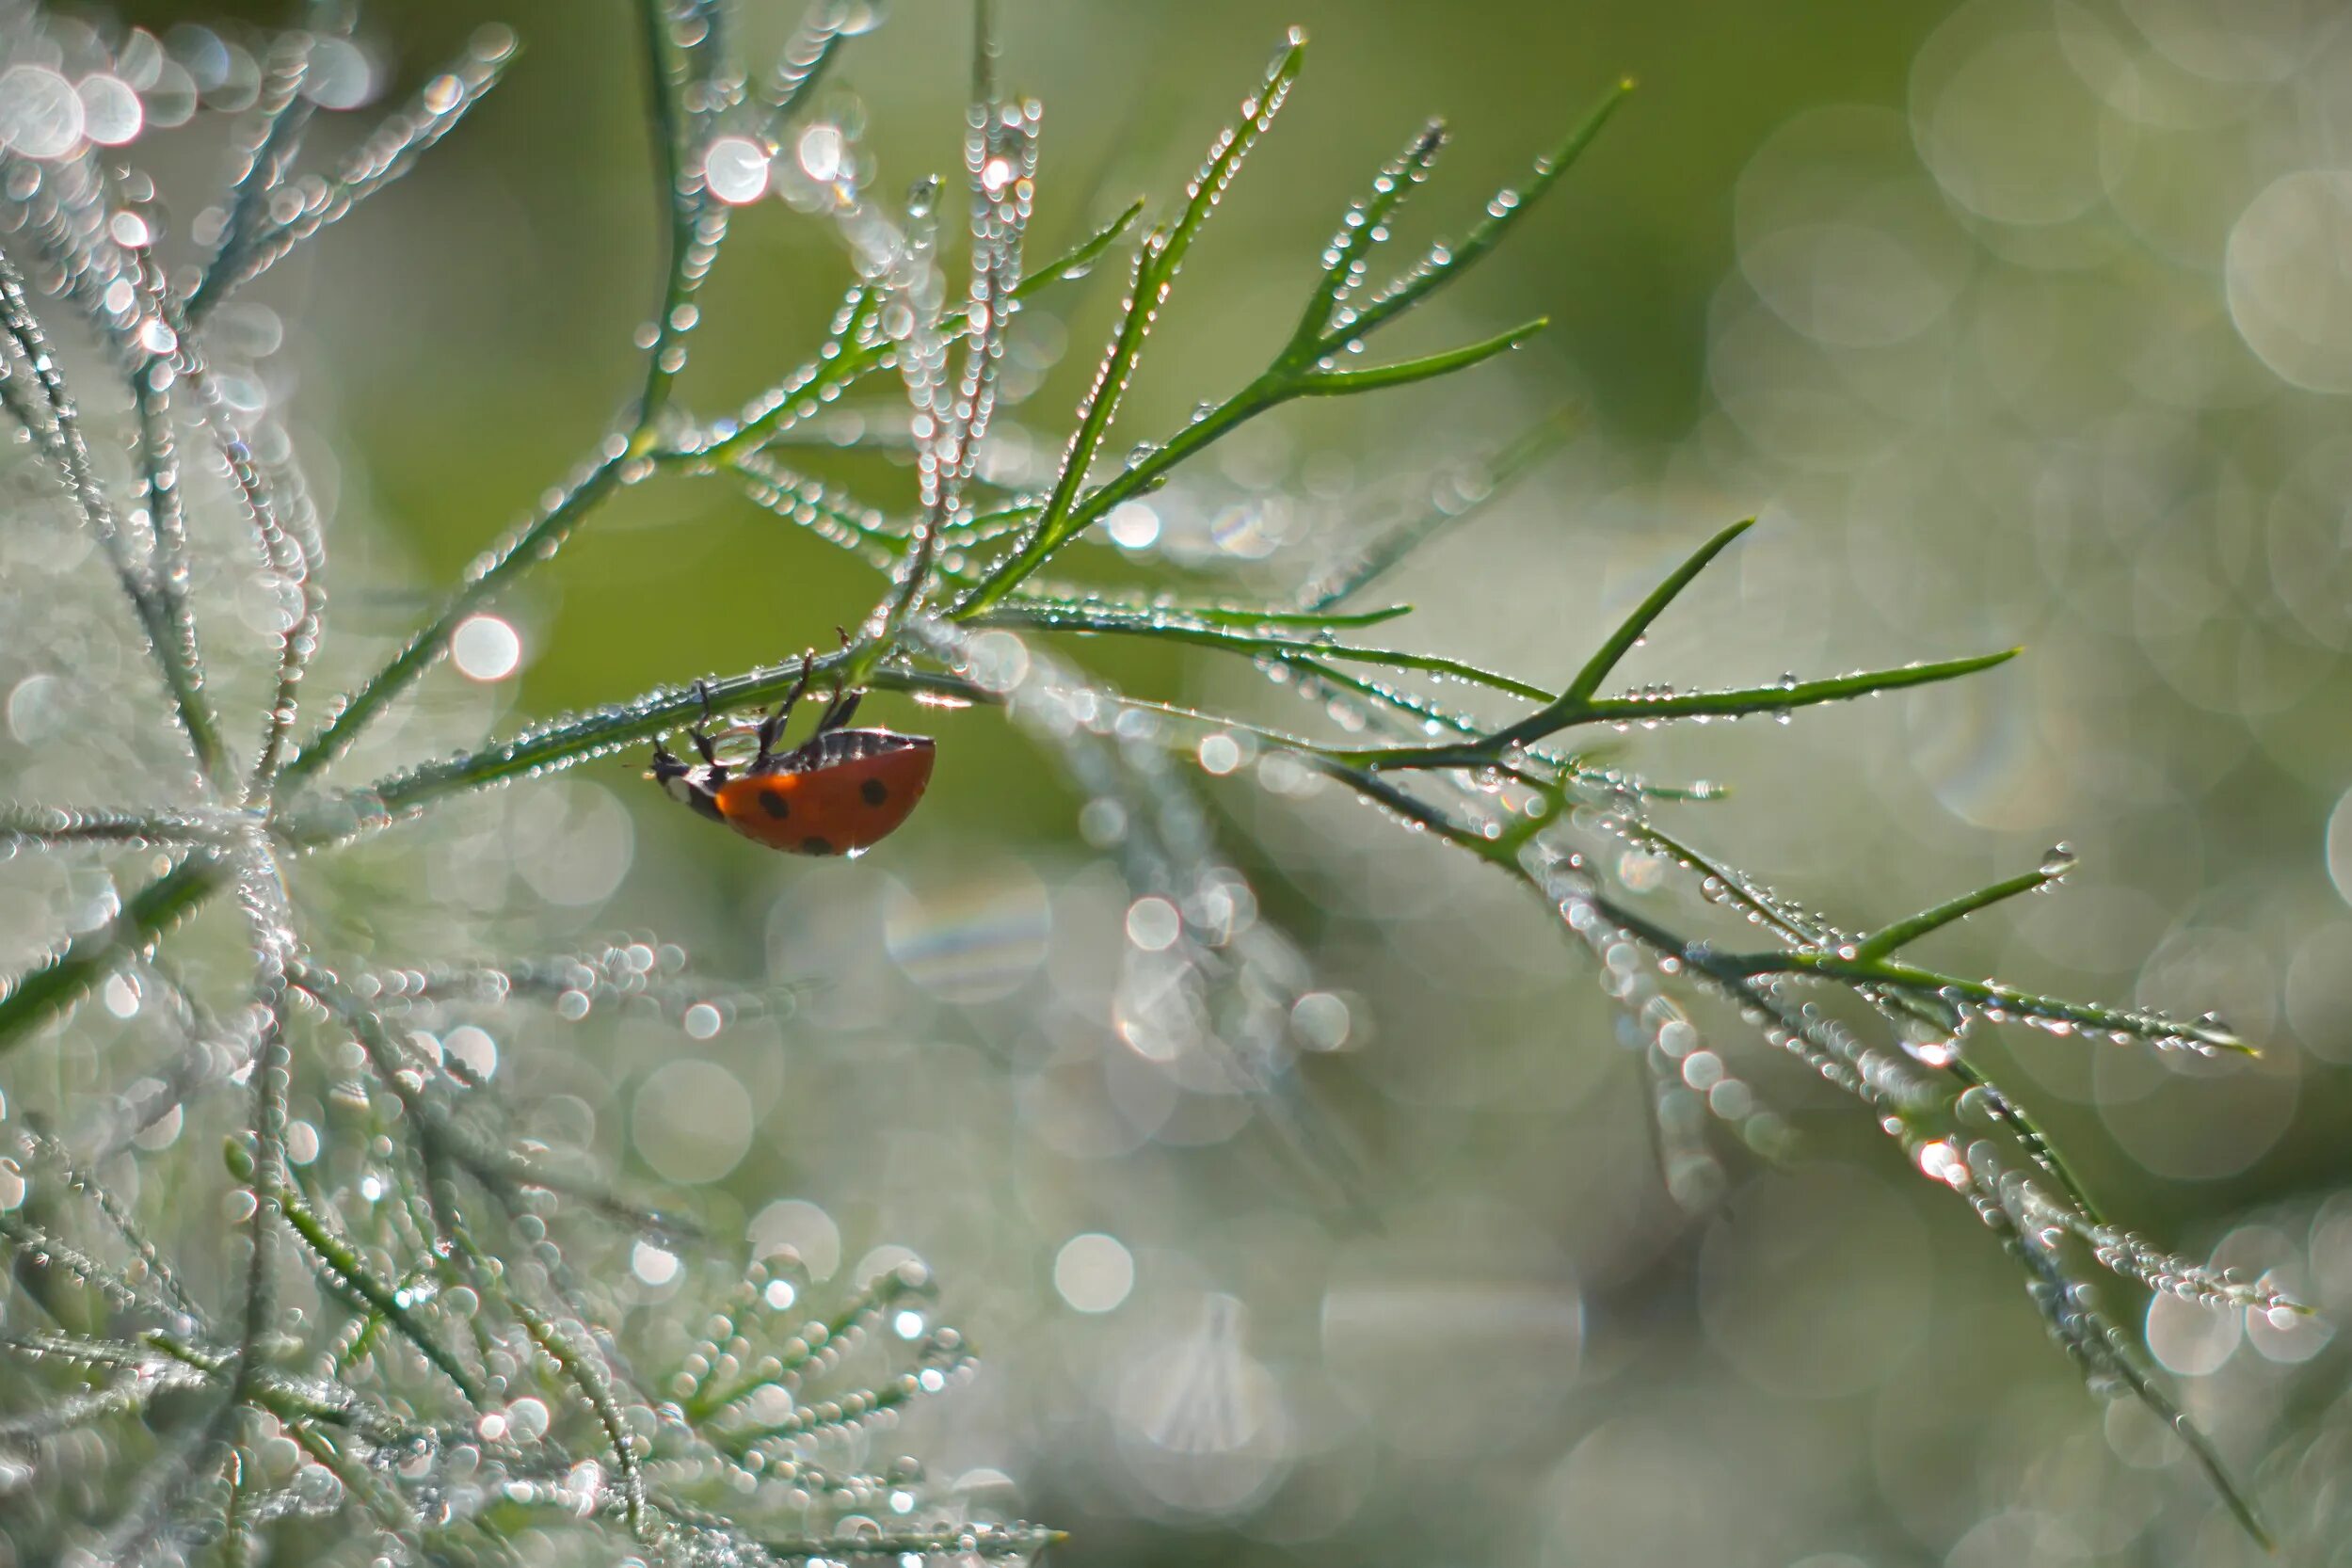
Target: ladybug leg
x=701, y=731
x=667, y=767
x=772, y=726
x=844, y=704
x=839, y=711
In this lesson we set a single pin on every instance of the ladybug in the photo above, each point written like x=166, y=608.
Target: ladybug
x=841, y=791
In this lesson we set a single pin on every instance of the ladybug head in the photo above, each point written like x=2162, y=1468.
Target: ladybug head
x=695, y=784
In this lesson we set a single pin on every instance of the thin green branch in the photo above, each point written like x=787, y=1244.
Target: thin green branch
x=340, y=1265
x=283, y=113
x=951, y=417
x=1365, y=227
x=1631, y=629
x=1444, y=263
x=1079, y=260
x=1781, y=698
x=849, y=355
x=1794, y=926
x=77, y=967
x=1880, y=943
x=1410, y=708
x=1293, y=373
x=585, y=1371
x=1569, y=713
x=2208, y=1035
x=536, y=543
x=1341, y=383
x=167, y=575
x=802, y=65
x=170, y=639
x=266, y=1166
x=1142, y=616
x=56, y=827
x=686, y=208
x=1166, y=628
x=1157, y=264
x=383, y=156
x=989, y=1543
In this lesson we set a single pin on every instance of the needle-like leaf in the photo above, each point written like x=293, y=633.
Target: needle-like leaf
x=1635, y=626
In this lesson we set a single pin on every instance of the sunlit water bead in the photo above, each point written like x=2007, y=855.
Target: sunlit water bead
x=822, y=152
x=486, y=648
x=1928, y=1044
x=112, y=114
x=1134, y=526
x=40, y=114
x=1093, y=1272
x=735, y=167
x=338, y=73
x=1153, y=925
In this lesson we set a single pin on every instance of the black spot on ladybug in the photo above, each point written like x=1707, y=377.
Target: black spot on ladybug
x=875, y=790
x=815, y=846
x=775, y=805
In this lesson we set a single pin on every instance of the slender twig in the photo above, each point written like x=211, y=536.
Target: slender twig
x=171, y=640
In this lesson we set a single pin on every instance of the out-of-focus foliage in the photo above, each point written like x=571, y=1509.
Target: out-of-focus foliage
x=2038, y=343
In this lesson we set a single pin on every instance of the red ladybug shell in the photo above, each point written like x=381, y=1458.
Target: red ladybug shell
x=842, y=792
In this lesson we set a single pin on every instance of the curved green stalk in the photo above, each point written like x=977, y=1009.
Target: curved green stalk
x=74, y=970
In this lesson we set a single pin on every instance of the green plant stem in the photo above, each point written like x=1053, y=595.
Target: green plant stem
x=1634, y=627
x=683, y=210
x=1269, y=391
x=852, y=356
x=682, y=272
x=69, y=974
x=171, y=640
x=1794, y=927
x=286, y=114
x=1858, y=970
x=986, y=1542
x=1880, y=943
x=376, y=1296
x=1570, y=712
x=533, y=544
x=1166, y=629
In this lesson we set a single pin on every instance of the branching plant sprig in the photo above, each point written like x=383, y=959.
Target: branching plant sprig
x=406, y=1262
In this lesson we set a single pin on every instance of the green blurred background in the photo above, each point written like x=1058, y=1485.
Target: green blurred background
x=2015, y=323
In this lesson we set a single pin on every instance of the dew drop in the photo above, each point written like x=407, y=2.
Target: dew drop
x=736, y=169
